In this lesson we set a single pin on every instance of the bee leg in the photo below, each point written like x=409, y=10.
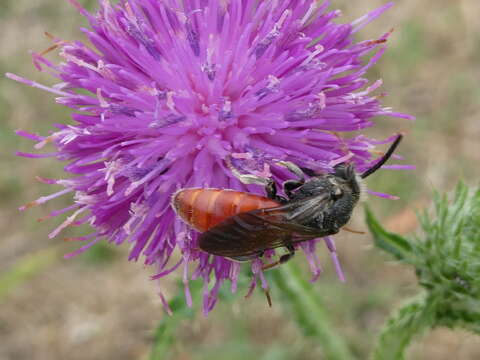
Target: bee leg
x=353, y=231
x=251, y=179
x=271, y=190
x=282, y=260
x=291, y=253
x=290, y=185
x=247, y=257
x=294, y=169
x=247, y=178
x=269, y=299
x=269, y=184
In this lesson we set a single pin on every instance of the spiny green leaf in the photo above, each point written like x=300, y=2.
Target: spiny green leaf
x=447, y=263
x=392, y=243
x=408, y=322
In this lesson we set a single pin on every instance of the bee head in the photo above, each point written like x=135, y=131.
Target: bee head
x=344, y=171
x=347, y=174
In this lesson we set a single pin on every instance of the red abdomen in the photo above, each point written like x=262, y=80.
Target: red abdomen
x=205, y=208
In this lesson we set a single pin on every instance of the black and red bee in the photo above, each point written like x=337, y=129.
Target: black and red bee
x=242, y=226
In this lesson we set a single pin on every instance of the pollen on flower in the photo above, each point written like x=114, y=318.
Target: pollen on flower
x=169, y=93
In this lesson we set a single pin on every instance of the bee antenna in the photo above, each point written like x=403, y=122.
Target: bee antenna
x=384, y=158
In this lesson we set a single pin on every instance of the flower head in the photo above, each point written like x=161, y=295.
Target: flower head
x=169, y=90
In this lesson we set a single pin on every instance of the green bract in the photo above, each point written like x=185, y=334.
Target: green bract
x=446, y=258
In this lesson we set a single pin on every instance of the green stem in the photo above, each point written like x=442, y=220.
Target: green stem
x=309, y=311
x=406, y=324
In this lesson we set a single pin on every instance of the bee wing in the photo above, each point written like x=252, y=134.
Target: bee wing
x=303, y=209
x=246, y=235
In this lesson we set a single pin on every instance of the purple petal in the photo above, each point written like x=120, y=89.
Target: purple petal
x=162, y=95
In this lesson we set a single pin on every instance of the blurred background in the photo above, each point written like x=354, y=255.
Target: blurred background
x=100, y=306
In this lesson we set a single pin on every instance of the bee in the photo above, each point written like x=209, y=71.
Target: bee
x=242, y=226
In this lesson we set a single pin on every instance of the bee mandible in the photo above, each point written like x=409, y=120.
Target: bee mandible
x=242, y=226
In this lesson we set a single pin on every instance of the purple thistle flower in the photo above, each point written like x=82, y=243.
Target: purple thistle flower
x=172, y=89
